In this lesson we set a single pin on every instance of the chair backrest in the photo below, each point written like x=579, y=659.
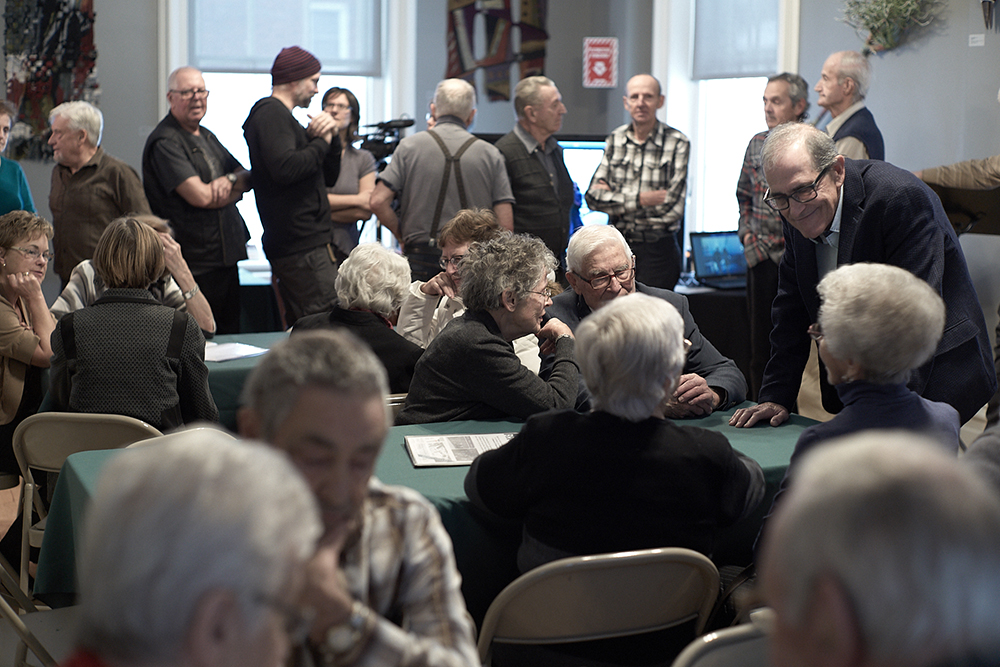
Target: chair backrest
x=395, y=402
x=181, y=432
x=739, y=646
x=607, y=595
x=43, y=441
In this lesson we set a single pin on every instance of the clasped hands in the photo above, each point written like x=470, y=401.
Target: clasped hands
x=323, y=125
x=692, y=398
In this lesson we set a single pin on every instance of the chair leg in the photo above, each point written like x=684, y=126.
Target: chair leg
x=28, y=639
x=26, y=505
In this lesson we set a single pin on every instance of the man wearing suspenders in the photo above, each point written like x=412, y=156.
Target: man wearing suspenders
x=436, y=173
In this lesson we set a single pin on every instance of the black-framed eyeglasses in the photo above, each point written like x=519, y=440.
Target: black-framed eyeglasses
x=297, y=621
x=33, y=254
x=191, y=92
x=802, y=195
x=337, y=106
x=621, y=275
x=445, y=261
x=815, y=331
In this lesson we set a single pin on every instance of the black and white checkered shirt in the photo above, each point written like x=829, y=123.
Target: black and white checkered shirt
x=628, y=168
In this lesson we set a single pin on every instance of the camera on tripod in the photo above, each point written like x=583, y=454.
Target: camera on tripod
x=383, y=141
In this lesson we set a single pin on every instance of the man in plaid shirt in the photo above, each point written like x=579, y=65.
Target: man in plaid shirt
x=383, y=585
x=641, y=184
x=786, y=98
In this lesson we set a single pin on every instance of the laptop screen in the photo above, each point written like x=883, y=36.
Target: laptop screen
x=717, y=254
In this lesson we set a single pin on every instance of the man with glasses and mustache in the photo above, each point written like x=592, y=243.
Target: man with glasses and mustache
x=839, y=211
x=602, y=268
x=194, y=182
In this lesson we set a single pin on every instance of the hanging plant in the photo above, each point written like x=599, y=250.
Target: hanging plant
x=887, y=21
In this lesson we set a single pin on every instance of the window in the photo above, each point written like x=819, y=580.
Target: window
x=243, y=35
x=731, y=112
x=735, y=39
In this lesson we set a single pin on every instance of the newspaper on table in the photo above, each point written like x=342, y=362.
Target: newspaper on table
x=451, y=450
x=230, y=351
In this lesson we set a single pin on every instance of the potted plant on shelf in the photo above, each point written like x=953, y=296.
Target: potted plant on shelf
x=887, y=21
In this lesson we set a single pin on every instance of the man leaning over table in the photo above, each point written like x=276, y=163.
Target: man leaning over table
x=387, y=591
x=838, y=211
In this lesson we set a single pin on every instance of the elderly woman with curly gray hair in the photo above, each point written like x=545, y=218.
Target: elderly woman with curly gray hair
x=371, y=284
x=470, y=371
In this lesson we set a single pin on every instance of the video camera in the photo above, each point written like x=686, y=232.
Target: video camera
x=383, y=141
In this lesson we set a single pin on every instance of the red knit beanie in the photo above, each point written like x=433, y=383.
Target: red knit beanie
x=292, y=64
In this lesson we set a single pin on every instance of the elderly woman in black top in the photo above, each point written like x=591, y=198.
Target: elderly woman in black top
x=621, y=477
x=371, y=284
x=470, y=371
x=127, y=354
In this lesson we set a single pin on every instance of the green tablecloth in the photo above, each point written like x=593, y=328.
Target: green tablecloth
x=484, y=549
x=226, y=378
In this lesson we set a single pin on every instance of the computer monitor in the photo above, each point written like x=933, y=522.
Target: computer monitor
x=582, y=156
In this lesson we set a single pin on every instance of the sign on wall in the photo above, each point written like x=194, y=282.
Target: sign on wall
x=600, y=62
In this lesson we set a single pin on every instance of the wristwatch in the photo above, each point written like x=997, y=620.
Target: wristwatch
x=232, y=178
x=344, y=639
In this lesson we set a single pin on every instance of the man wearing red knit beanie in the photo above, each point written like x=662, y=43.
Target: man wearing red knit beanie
x=292, y=167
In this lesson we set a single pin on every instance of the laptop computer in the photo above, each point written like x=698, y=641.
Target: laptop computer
x=719, y=261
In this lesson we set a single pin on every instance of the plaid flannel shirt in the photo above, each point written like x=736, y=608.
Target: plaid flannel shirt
x=628, y=168
x=758, y=219
x=401, y=566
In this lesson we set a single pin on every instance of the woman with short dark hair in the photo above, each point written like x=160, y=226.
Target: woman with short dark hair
x=350, y=194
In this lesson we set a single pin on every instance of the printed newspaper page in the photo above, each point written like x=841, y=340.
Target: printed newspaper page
x=451, y=450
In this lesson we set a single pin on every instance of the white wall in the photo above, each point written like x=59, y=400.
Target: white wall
x=935, y=101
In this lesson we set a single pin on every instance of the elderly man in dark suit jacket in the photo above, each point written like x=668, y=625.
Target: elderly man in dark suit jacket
x=839, y=211
x=602, y=268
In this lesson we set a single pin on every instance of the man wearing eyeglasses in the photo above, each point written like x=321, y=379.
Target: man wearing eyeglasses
x=194, y=182
x=840, y=211
x=601, y=269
